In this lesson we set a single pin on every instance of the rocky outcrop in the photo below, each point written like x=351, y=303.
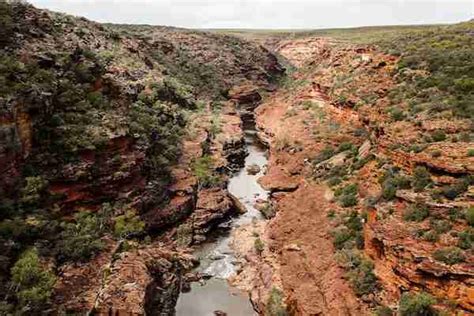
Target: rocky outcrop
x=403, y=263
x=134, y=282
x=79, y=284
x=178, y=209
x=145, y=281
x=245, y=95
x=114, y=172
x=213, y=207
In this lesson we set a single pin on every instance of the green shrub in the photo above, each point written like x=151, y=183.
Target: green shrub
x=397, y=114
x=259, y=245
x=416, y=213
x=438, y=136
x=436, y=153
x=158, y=127
x=348, y=200
x=470, y=152
x=469, y=215
x=184, y=234
x=391, y=181
x=6, y=308
x=389, y=189
x=80, y=240
x=32, y=283
x=341, y=236
x=466, y=239
x=440, y=226
x=203, y=170
x=362, y=277
x=268, y=211
x=170, y=89
x=275, y=306
x=421, y=178
x=449, y=255
x=215, y=127
x=326, y=153
x=448, y=64
x=416, y=148
x=347, y=196
x=384, y=311
x=402, y=182
x=345, y=146
x=337, y=171
x=453, y=191
x=331, y=214
x=7, y=23
x=333, y=181
x=359, y=269
x=354, y=221
x=349, y=235
x=417, y=304
x=128, y=224
x=431, y=236
x=33, y=190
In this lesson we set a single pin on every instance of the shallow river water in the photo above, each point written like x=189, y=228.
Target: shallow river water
x=217, y=256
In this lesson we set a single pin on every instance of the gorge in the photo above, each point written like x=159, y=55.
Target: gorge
x=150, y=170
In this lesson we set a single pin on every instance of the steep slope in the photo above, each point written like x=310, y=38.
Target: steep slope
x=110, y=135
x=371, y=166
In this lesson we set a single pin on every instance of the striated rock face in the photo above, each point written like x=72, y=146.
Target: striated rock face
x=146, y=281
x=43, y=45
x=80, y=284
x=178, y=209
x=228, y=147
x=213, y=206
x=112, y=120
x=117, y=177
x=15, y=145
x=343, y=96
x=246, y=94
x=143, y=281
x=298, y=252
x=403, y=262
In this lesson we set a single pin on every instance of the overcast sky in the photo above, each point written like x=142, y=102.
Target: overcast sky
x=266, y=13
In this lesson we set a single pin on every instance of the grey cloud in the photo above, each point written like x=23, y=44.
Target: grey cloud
x=266, y=13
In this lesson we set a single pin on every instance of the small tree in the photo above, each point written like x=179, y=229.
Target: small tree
x=33, y=285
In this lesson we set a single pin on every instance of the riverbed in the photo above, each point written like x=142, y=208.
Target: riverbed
x=216, y=257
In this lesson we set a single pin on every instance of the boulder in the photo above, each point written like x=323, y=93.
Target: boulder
x=253, y=169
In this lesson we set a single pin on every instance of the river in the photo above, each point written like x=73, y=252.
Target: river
x=216, y=257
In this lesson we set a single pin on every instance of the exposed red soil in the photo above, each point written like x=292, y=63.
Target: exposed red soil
x=311, y=278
